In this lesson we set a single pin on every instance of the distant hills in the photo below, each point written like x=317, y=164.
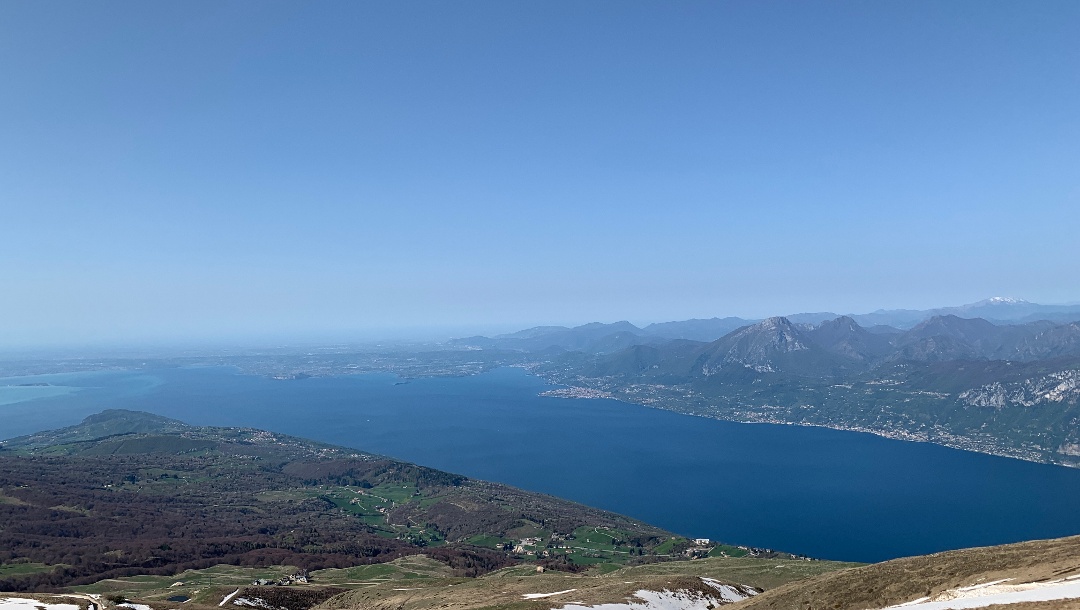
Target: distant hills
x=599, y=337
x=841, y=346
x=1000, y=310
x=110, y=422
x=805, y=344
x=837, y=348
x=1000, y=376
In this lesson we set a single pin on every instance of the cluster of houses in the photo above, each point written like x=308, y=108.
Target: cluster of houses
x=535, y=543
x=300, y=577
x=381, y=509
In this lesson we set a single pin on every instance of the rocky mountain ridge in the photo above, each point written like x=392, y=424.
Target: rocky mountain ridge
x=965, y=383
x=597, y=337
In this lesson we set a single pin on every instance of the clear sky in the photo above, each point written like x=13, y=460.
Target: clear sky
x=242, y=169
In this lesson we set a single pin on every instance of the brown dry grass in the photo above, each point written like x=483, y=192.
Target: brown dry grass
x=504, y=589
x=505, y=593
x=903, y=580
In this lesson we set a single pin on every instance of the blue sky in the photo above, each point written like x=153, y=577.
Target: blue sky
x=261, y=169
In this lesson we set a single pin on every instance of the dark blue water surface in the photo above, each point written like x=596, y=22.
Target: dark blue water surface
x=824, y=493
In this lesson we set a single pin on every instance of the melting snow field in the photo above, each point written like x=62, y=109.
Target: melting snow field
x=988, y=594
x=539, y=595
x=22, y=603
x=228, y=597
x=727, y=592
x=673, y=600
x=656, y=600
x=252, y=602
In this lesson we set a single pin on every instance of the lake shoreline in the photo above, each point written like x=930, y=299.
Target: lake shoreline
x=811, y=490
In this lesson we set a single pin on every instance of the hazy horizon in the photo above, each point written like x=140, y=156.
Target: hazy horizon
x=205, y=171
x=343, y=337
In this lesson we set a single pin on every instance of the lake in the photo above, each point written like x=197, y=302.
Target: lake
x=819, y=492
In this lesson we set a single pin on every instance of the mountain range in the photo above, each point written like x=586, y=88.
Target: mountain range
x=597, y=337
x=842, y=346
x=1007, y=383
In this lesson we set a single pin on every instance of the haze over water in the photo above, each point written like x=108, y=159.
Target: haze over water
x=823, y=493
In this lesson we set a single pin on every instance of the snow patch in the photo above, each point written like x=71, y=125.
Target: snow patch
x=254, y=602
x=914, y=602
x=660, y=600
x=991, y=593
x=730, y=593
x=23, y=603
x=132, y=606
x=983, y=585
x=539, y=595
x=228, y=597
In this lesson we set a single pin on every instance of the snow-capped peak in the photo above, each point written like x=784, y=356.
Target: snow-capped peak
x=999, y=301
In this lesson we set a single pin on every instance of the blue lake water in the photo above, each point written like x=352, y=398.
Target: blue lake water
x=824, y=493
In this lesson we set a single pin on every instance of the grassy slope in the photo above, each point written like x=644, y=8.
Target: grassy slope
x=420, y=582
x=504, y=588
x=903, y=580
